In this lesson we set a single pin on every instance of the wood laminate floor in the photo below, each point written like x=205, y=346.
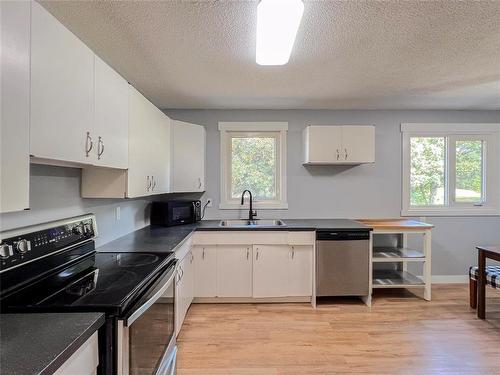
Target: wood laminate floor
x=401, y=334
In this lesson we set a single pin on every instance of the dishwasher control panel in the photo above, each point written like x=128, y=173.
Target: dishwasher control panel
x=333, y=235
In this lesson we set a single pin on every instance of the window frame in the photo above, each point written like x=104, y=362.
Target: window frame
x=490, y=134
x=227, y=130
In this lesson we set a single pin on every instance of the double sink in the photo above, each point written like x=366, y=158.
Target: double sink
x=251, y=223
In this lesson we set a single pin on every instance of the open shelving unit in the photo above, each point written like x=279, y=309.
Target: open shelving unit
x=392, y=256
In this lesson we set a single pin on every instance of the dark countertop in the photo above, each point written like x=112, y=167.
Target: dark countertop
x=41, y=343
x=164, y=239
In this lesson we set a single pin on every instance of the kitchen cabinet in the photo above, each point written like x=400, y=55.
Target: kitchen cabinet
x=110, y=130
x=84, y=361
x=62, y=92
x=188, y=157
x=270, y=271
x=148, y=157
x=300, y=269
x=15, y=104
x=234, y=271
x=184, y=289
x=347, y=145
x=205, y=271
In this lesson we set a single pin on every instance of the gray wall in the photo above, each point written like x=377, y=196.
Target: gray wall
x=366, y=191
x=55, y=194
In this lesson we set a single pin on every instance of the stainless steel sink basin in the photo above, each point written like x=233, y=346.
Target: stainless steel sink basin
x=251, y=223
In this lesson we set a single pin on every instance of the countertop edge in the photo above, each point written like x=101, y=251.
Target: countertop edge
x=71, y=349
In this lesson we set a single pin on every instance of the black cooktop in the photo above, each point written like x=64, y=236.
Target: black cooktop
x=106, y=282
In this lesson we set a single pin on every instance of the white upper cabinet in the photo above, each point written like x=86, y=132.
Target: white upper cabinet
x=188, y=157
x=148, y=156
x=62, y=91
x=350, y=144
x=110, y=130
x=15, y=104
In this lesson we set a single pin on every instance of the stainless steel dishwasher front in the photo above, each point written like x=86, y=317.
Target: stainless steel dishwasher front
x=342, y=263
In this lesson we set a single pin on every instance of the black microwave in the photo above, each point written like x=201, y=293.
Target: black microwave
x=176, y=212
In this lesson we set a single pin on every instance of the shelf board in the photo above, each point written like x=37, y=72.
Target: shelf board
x=395, y=279
x=397, y=254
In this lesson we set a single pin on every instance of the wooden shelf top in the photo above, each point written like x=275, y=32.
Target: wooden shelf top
x=395, y=224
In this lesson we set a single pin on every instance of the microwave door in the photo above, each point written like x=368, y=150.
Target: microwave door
x=146, y=335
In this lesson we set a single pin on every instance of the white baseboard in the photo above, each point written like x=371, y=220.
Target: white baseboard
x=449, y=279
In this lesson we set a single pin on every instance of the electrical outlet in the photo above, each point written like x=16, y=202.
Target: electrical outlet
x=117, y=213
x=209, y=202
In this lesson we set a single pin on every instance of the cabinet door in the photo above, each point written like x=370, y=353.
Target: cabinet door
x=188, y=155
x=141, y=126
x=205, y=271
x=189, y=279
x=234, y=271
x=160, y=146
x=62, y=91
x=358, y=144
x=111, y=117
x=270, y=270
x=179, y=299
x=300, y=271
x=323, y=144
x=15, y=104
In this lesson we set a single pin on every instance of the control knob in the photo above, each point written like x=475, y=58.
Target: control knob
x=23, y=246
x=87, y=229
x=6, y=251
x=77, y=229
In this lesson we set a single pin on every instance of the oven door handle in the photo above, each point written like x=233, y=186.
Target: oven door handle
x=137, y=312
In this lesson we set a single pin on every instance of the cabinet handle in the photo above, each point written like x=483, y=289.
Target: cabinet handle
x=153, y=182
x=148, y=183
x=192, y=258
x=338, y=154
x=293, y=252
x=346, y=154
x=257, y=254
x=248, y=253
x=88, y=144
x=199, y=183
x=203, y=254
x=100, y=148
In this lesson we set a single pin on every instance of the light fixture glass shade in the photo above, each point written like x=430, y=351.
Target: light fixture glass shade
x=277, y=25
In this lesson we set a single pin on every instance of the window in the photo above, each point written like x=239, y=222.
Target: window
x=253, y=157
x=450, y=169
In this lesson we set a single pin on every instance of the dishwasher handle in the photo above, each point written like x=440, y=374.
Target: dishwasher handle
x=332, y=235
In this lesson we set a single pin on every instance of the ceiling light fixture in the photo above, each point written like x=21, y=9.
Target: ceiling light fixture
x=277, y=25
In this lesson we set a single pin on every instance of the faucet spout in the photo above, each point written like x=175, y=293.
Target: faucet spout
x=251, y=212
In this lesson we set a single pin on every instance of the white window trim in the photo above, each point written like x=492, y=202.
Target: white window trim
x=489, y=131
x=273, y=127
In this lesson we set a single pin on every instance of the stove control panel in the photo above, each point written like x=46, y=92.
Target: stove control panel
x=18, y=247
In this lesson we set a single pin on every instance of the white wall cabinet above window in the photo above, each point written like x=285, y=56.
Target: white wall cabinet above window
x=15, y=105
x=188, y=157
x=451, y=169
x=253, y=157
x=148, y=157
x=346, y=145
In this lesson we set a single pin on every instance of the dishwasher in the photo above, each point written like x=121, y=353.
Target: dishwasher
x=342, y=263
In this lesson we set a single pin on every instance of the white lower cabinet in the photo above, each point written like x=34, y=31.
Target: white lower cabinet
x=205, y=271
x=184, y=289
x=84, y=361
x=234, y=271
x=270, y=270
x=300, y=269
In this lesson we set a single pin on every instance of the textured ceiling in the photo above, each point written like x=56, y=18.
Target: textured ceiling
x=347, y=55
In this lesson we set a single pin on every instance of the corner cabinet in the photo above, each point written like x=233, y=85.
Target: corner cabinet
x=188, y=157
x=15, y=104
x=148, y=156
x=343, y=145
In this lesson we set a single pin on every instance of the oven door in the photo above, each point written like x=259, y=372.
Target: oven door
x=146, y=334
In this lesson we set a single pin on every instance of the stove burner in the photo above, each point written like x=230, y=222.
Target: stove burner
x=135, y=260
